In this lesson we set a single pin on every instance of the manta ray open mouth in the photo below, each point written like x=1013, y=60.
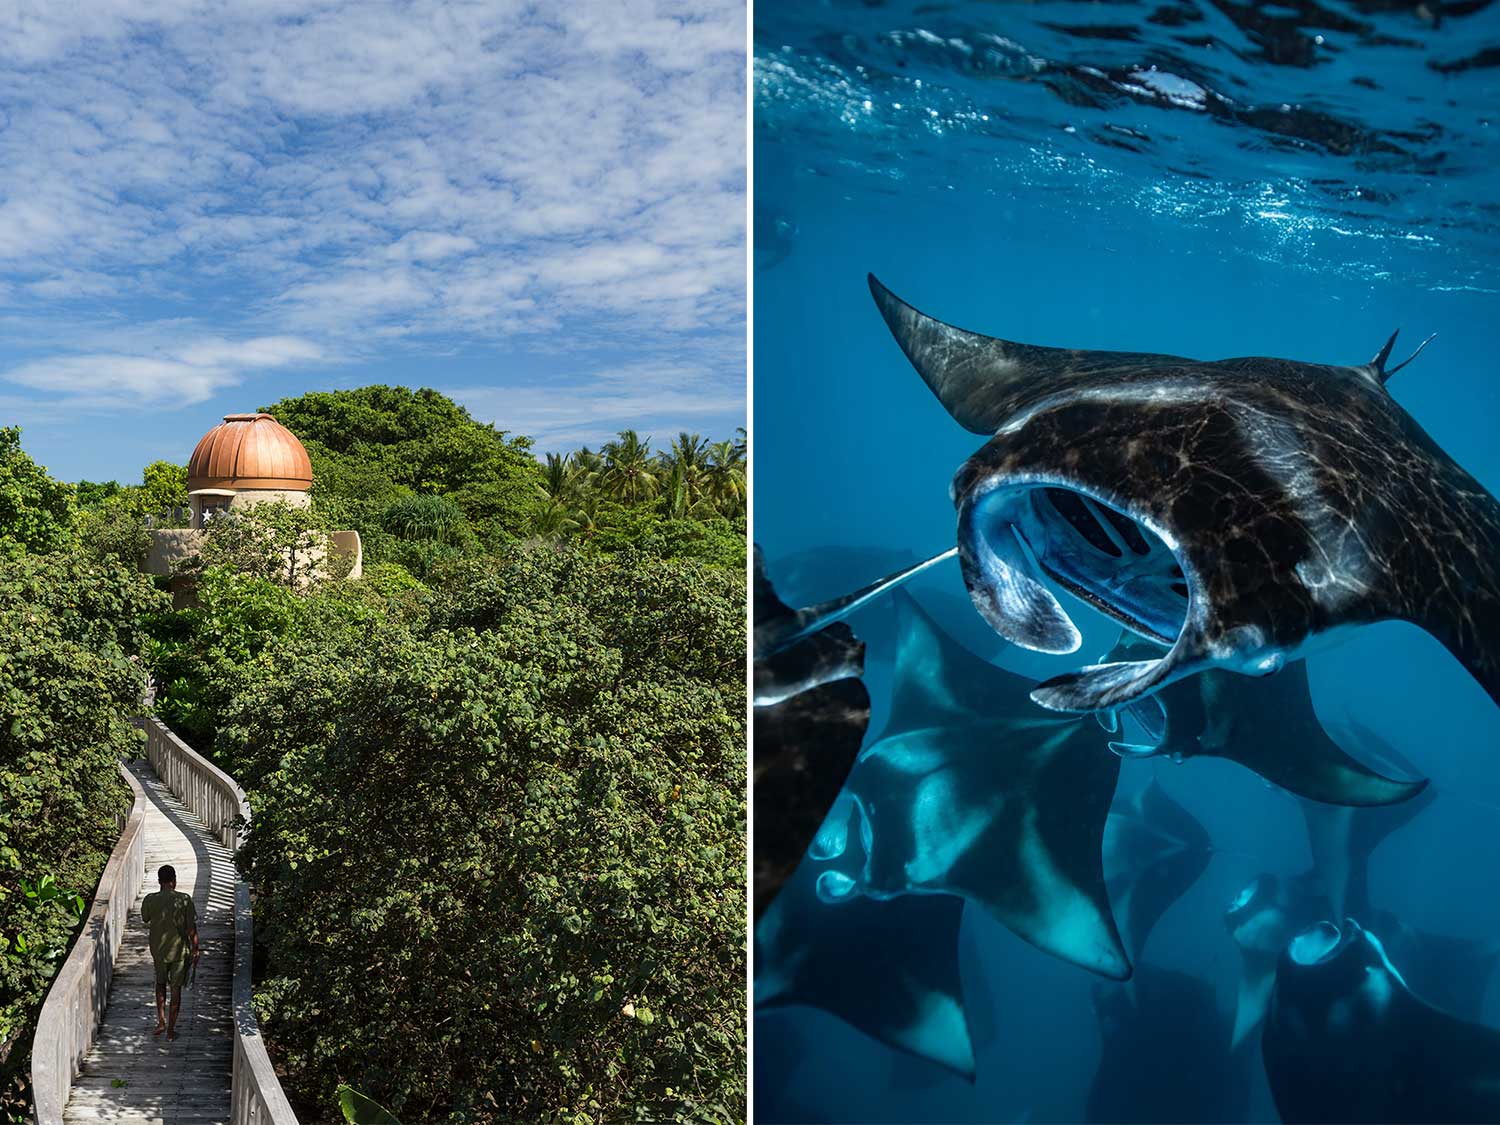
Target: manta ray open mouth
x=1116, y=564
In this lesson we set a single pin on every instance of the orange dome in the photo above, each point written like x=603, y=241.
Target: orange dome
x=250, y=451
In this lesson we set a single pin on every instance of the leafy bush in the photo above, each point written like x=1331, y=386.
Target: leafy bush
x=499, y=854
x=283, y=543
x=371, y=445
x=36, y=512
x=69, y=680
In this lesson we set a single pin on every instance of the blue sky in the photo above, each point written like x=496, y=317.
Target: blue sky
x=206, y=205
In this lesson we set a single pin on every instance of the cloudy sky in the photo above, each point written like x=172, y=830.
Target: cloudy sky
x=206, y=205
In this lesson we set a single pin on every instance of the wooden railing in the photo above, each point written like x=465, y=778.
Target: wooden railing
x=256, y=1097
x=76, y=1001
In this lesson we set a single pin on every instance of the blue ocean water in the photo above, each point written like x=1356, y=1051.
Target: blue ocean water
x=1204, y=179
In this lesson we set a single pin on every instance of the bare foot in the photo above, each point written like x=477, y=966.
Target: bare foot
x=159, y=1029
x=172, y=1034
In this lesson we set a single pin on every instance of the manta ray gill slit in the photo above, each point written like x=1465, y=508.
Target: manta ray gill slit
x=1099, y=554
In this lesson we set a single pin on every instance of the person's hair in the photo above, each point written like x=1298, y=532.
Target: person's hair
x=166, y=873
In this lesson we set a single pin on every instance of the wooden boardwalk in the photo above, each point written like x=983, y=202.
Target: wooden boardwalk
x=131, y=1076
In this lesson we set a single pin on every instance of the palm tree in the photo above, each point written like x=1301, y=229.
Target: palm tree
x=682, y=500
x=583, y=519
x=726, y=477
x=434, y=518
x=553, y=520
x=687, y=462
x=628, y=473
x=557, y=477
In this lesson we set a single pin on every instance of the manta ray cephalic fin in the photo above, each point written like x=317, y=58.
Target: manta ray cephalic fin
x=1102, y=685
x=1016, y=605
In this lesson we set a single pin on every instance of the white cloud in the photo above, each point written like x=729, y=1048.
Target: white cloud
x=658, y=398
x=363, y=172
x=179, y=375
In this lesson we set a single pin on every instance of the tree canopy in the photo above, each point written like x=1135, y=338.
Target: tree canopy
x=36, y=512
x=70, y=679
x=376, y=444
x=504, y=770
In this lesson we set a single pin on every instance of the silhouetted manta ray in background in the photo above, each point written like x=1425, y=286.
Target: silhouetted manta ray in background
x=1345, y=1039
x=1270, y=910
x=972, y=791
x=1267, y=724
x=1164, y=1053
x=1248, y=506
x=1154, y=851
x=1452, y=972
x=886, y=967
x=806, y=735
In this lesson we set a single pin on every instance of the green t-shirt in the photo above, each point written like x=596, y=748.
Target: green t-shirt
x=171, y=917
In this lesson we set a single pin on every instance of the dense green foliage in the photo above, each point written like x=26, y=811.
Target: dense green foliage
x=503, y=771
x=69, y=681
x=525, y=816
x=373, y=446
x=36, y=512
x=427, y=486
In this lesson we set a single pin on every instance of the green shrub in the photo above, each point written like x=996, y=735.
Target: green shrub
x=36, y=512
x=69, y=680
x=500, y=859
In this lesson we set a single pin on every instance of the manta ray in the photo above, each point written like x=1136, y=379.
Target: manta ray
x=888, y=968
x=1154, y=851
x=1199, y=1079
x=971, y=791
x=1237, y=511
x=1452, y=972
x=1346, y=1039
x=1266, y=724
x=811, y=712
x=808, y=729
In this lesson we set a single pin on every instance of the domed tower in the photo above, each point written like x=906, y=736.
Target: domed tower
x=247, y=459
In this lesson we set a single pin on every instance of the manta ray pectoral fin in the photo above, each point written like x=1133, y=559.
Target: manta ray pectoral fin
x=980, y=380
x=1319, y=770
x=1103, y=685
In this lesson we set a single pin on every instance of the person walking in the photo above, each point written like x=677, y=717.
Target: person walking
x=173, y=921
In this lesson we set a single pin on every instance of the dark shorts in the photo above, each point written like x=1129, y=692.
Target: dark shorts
x=174, y=973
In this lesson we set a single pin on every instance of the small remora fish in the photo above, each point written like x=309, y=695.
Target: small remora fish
x=1236, y=510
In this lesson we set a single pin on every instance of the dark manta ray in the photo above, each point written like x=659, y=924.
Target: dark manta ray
x=1154, y=850
x=888, y=968
x=1347, y=1040
x=1197, y=1079
x=1266, y=724
x=811, y=711
x=806, y=735
x=972, y=791
x=1235, y=510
